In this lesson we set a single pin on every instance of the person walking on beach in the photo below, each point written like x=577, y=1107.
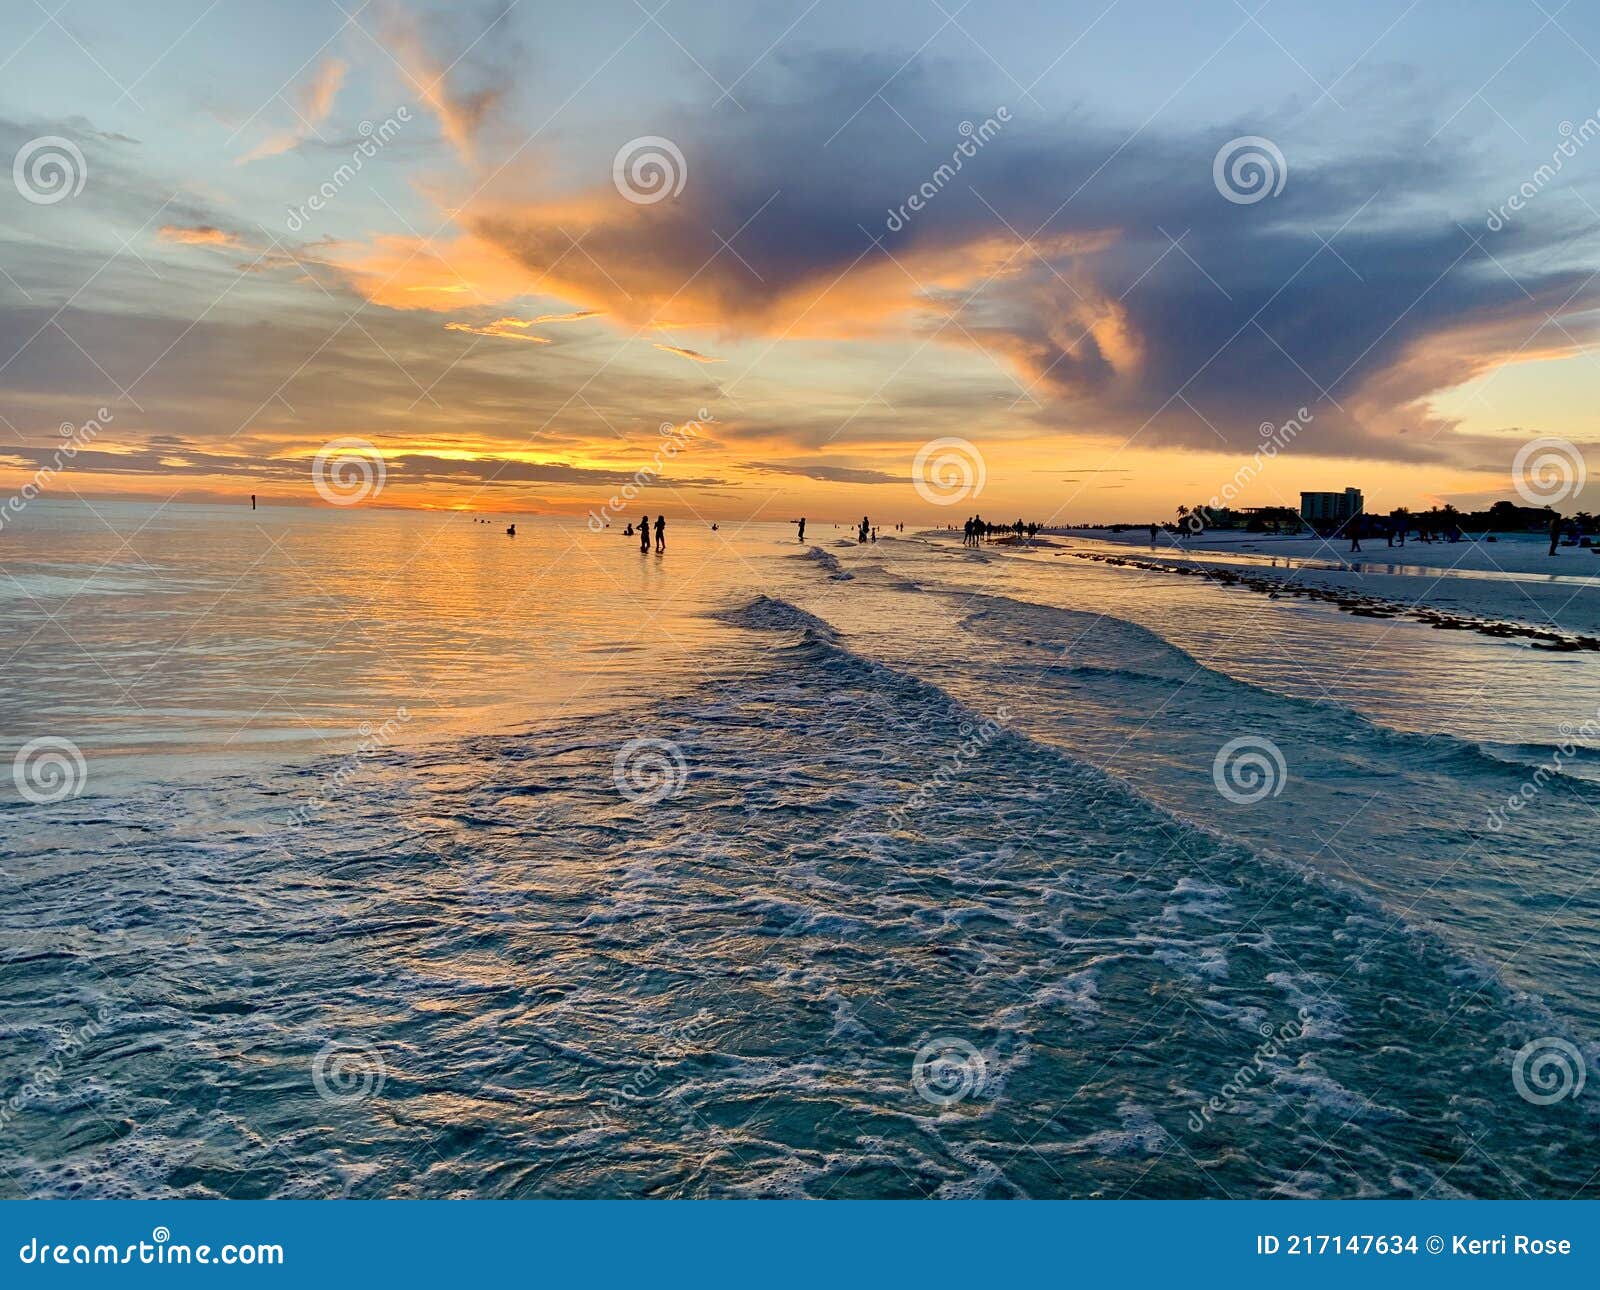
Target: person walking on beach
x=1355, y=536
x=644, y=536
x=661, y=533
x=1555, y=531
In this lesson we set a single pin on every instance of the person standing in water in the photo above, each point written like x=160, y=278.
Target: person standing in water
x=861, y=536
x=644, y=536
x=1555, y=531
x=661, y=533
x=802, y=523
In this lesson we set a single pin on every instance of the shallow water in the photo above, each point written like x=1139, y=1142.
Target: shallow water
x=920, y=884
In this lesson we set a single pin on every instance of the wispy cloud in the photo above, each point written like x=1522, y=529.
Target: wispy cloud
x=506, y=328
x=460, y=111
x=832, y=474
x=313, y=103
x=197, y=235
x=693, y=355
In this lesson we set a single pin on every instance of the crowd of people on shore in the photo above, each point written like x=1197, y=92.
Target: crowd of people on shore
x=977, y=529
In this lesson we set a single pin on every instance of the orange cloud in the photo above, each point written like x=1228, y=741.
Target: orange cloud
x=693, y=355
x=197, y=235
x=509, y=328
x=459, y=114
x=315, y=102
x=403, y=272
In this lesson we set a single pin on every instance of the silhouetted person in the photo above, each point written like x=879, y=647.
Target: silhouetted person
x=252, y=501
x=511, y=530
x=1555, y=533
x=644, y=536
x=861, y=536
x=802, y=523
x=661, y=532
x=1153, y=532
x=1355, y=536
x=628, y=532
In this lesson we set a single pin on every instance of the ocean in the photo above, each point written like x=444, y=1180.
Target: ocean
x=380, y=853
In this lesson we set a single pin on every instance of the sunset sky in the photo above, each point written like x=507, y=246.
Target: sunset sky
x=485, y=302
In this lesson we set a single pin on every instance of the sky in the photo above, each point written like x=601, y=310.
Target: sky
x=1074, y=262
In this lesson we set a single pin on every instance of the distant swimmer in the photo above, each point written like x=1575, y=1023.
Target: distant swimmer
x=713, y=528
x=511, y=530
x=802, y=523
x=628, y=532
x=661, y=533
x=644, y=536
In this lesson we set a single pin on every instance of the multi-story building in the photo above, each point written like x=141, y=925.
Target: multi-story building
x=1329, y=512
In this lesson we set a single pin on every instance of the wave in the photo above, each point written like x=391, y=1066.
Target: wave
x=829, y=562
x=870, y=932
